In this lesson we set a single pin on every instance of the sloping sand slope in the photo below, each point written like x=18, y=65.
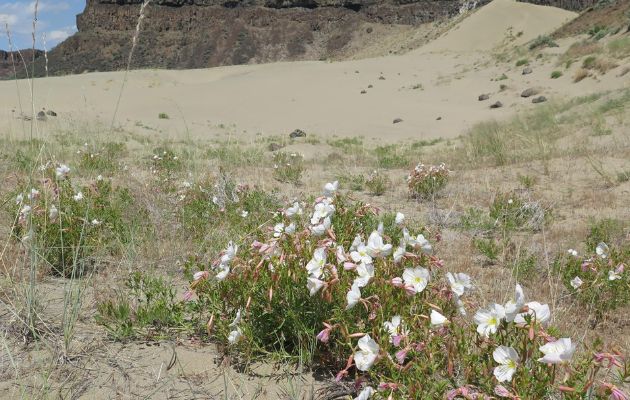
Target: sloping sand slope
x=432, y=89
x=487, y=28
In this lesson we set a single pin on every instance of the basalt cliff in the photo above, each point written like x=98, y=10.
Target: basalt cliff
x=181, y=34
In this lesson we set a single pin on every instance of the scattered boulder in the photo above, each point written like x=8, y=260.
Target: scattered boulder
x=503, y=87
x=51, y=113
x=370, y=86
x=297, y=134
x=539, y=99
x=483, y=97
x=498, y=104
x=363, y=91
x=381, y=78
x=527, y=70
x=397, y=120
x=41, y=116
x=529, y=92
x=438, y=119
x=273, y=146
x=369, y=30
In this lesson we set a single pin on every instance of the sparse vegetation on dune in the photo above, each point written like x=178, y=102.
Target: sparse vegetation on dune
x=257, y=298
x=491, y=265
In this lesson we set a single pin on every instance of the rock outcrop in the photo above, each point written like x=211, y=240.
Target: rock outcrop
x=180, y=34
x=18, y=60
x=573, y=5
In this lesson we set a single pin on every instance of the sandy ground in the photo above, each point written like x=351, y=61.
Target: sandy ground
x=440, y=80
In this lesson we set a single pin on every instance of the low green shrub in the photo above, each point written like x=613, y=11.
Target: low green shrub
x=426, y=181
x=288, y=168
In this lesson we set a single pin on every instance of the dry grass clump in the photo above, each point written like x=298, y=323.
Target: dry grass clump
x=580, y=74
x=602, y=65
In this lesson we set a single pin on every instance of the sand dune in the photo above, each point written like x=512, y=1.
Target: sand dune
x=433, y=89
x=489, y=27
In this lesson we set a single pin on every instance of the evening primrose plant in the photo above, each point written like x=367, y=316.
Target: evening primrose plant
x=341, y=285
x=69, y=224
x=599, y=279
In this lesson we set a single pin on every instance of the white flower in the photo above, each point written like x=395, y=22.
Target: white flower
x=400, y=218
x=319, y=230
x=393, y=327
x=34, y=194
x=53, y=213
x=78, y=196
x=235, y=336
x=557, y=352
x=419, y=241
x=459, y=283
x=294, y=210
x=341, y=254
x=224, y=271
x=278, y=229
x=229, y=253
x=356, y=243
x=366, y=272
x=25, y=210
x=418, y=278
x=488, y=320
x=376, y=247
x=572, y=252
x=576, y=282
x=96, y=222
x=62, y=171
x=368, y=351
x=507, y=357
x=398, y=254
x=510, y=201
x=237, y=319
x=331, y=188
x=215, y=200
x=100, y=178
x=353, y=296
x=315, y=267
x=438, y=319
x=19, y=198
x=322, y=210
x=513, y=307
x=244, y=213
x=289, y=230
x=365, y=394
x=613, y=275
x=540, y=313
x=360, y=255
x=602, y=250
x=314, y=285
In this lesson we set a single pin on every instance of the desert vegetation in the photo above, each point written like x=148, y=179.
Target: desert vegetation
x=490, y=264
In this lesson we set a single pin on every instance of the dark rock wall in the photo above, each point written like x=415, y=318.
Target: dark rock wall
x=573, y=5
x=204, y=33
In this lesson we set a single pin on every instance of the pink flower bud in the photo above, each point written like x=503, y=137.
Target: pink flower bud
x=324, y=335
x=401, y=355
x=397, y=282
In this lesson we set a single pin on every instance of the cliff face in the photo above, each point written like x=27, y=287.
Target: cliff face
x=204, y=33
x=573, y=5
x=18, y=60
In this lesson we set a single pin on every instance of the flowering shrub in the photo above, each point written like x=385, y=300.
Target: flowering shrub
x=68, y=224
x=100, y=158
x=288, y=168
x=599, y=279
x=220, y=206
x=164, y=164
x=377, y=183
x=388, y=312
x=509, y=212
x=425, y=181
